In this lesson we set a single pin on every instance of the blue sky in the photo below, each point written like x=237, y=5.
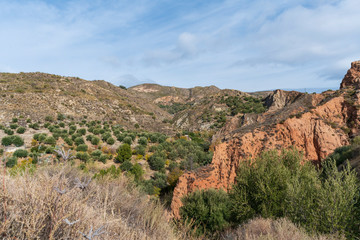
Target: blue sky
x=247, y=45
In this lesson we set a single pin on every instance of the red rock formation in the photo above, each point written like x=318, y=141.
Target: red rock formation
x=352, y=77
x=317, y=133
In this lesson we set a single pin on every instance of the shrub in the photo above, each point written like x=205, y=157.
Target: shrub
x=6, y=141
x=174, y=176
x=40, y=137
x=21, y=130
x=97, y=153
x=34, y=126
x=49, y=150
x=208, y=209
x=95, y=140
x=20, y=153
x=123, y=153
x=17, y=141
x=50, y=140
x=49, y=119
x=103, y=158
x=126, y=166
x=14, y=126
x=277, y=185
x=110, y=141
x=140, y=150
x=137, y=171
x=9, y=131
x=127, y=140
x=14, y=120
x=68, y=141
x=79, y=140
x=60, y=117
x=81, y=131
x=83, y=156
x=11, y=162
x=82, y=148
x=142, y=141
x=156, y=162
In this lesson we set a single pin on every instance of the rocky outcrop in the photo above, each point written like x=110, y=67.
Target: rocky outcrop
x=280, y=99
x=317, y=130
x=352, y=77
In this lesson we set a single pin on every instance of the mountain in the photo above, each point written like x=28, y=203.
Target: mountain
x=315, y=124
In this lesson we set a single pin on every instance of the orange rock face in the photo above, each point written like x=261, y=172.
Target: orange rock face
x=316, y=132
x=352, y=77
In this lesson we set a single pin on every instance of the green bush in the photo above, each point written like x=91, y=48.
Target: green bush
x=278, y=185
x=142, y=141
x=14, y=126
x=34, y=126
x=126, y=166
x=103, y=158
x=123, y=153
x=68, y=141
x=82, y=148
x=127, y=140
x=83, y=156
x=49, y=119
x=8, y=131
x=110, y=141
x=21, y=130
x=49, y=150
x=6, y=141
x=20, y=153
x=95, y=140
x=11, y=162
x=156, y=162
x=137, y=171
x=79, y=140
x=208, y=210
x=50, y=140
x=97, y=153
x=140, y=149
x=17, y=141
x=81, y=131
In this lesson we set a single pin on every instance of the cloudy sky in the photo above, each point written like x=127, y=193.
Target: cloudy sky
x=241, y=44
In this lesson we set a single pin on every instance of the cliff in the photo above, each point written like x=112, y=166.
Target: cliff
x=315, y=124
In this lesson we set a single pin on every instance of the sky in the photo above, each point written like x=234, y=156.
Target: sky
x=249, y=45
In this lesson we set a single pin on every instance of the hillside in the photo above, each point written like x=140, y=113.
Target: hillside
x=148, y=106
x=316, y=124
x=37, y=95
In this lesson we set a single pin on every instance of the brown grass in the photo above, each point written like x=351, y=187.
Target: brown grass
x=34, y=210
x=281, y=229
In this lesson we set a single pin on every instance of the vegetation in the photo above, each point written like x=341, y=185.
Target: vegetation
x=51, y=204
x=281, y=185
x=245, y=104
x=208, y=209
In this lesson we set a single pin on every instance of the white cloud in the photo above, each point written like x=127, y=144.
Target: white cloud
x=247, y=45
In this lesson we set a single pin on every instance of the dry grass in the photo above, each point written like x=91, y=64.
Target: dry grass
x=34, y=210
x=268, y=229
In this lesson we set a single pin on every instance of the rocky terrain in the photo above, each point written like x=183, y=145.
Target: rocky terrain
x=315, y=124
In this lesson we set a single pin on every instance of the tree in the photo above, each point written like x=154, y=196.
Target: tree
x=123, y=153
x=208, y=209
